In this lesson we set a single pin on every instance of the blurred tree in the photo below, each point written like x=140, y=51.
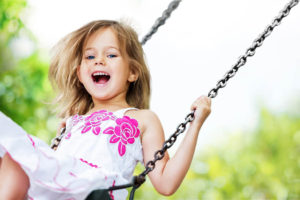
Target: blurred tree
x=24, y=87
x=10, y=26
x=263, y=164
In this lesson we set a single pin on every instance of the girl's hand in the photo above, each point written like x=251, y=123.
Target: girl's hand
x=202, y=107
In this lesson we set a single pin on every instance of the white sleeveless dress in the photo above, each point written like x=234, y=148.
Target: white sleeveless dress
x=97, y=151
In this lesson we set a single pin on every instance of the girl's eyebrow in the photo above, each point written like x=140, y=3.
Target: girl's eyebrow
x=107, y=47
x=90, y=48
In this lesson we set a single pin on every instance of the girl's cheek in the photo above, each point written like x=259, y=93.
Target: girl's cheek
x=88, y=62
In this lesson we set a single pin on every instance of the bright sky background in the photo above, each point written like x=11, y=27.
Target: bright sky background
x=193, y=50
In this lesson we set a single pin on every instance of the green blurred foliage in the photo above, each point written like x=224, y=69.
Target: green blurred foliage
x=24, y=86
x=263, y=164
x=10, y=26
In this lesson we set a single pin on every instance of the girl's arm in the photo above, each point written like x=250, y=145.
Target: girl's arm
x=169, y=173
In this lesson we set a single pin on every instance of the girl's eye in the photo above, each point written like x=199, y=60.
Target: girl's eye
x=90, y=57
x=111, y=55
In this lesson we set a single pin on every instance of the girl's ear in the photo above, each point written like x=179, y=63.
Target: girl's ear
x=133, y=76
x=78, y=73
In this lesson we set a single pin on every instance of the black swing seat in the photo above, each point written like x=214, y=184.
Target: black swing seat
x=103, y=194
x=99, y=194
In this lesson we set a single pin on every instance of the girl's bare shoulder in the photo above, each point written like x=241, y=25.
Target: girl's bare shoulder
x=144, y=117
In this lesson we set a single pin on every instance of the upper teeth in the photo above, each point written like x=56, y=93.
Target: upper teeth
x=100, y=74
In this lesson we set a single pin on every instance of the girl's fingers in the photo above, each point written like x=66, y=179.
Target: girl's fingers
x=202, y=107
x=202, y=100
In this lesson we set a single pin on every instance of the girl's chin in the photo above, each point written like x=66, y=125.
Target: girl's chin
x=101, y=97
x=100, y=84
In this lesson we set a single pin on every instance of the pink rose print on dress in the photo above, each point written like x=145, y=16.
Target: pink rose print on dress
x=75, y=119
x=124, y=132
x=68, y=135
x=94, y=120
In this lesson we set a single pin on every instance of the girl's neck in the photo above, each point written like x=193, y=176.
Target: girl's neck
x=111, y=104
x=108, y=106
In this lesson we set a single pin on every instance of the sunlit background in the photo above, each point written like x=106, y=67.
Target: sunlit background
x=247, y=149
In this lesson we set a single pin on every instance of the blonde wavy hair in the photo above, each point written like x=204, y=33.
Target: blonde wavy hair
x=72, y=98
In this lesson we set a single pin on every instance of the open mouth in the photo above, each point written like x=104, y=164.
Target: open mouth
x=100, y=77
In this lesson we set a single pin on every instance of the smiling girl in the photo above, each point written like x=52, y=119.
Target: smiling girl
x=103, y=87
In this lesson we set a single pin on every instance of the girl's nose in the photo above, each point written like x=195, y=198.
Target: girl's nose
x=99, y=61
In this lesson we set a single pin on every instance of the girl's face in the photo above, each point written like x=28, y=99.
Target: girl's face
x=104, y=70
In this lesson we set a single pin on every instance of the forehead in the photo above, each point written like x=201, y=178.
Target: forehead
x=103, y=37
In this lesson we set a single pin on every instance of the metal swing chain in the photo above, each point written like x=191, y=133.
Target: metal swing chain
x=220, y=84
x=161, y=20
x=251, y=50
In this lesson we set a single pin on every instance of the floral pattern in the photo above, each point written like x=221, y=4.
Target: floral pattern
x=94, y=120
x=90, y=164
x=75, y=119
x=68, y=135
x=123, y=133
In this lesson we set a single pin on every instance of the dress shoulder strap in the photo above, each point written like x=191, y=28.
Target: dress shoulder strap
x=122, y=112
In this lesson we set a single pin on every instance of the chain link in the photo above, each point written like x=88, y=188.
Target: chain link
x=252, y=49
x=161, y=20
x=55, y=141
